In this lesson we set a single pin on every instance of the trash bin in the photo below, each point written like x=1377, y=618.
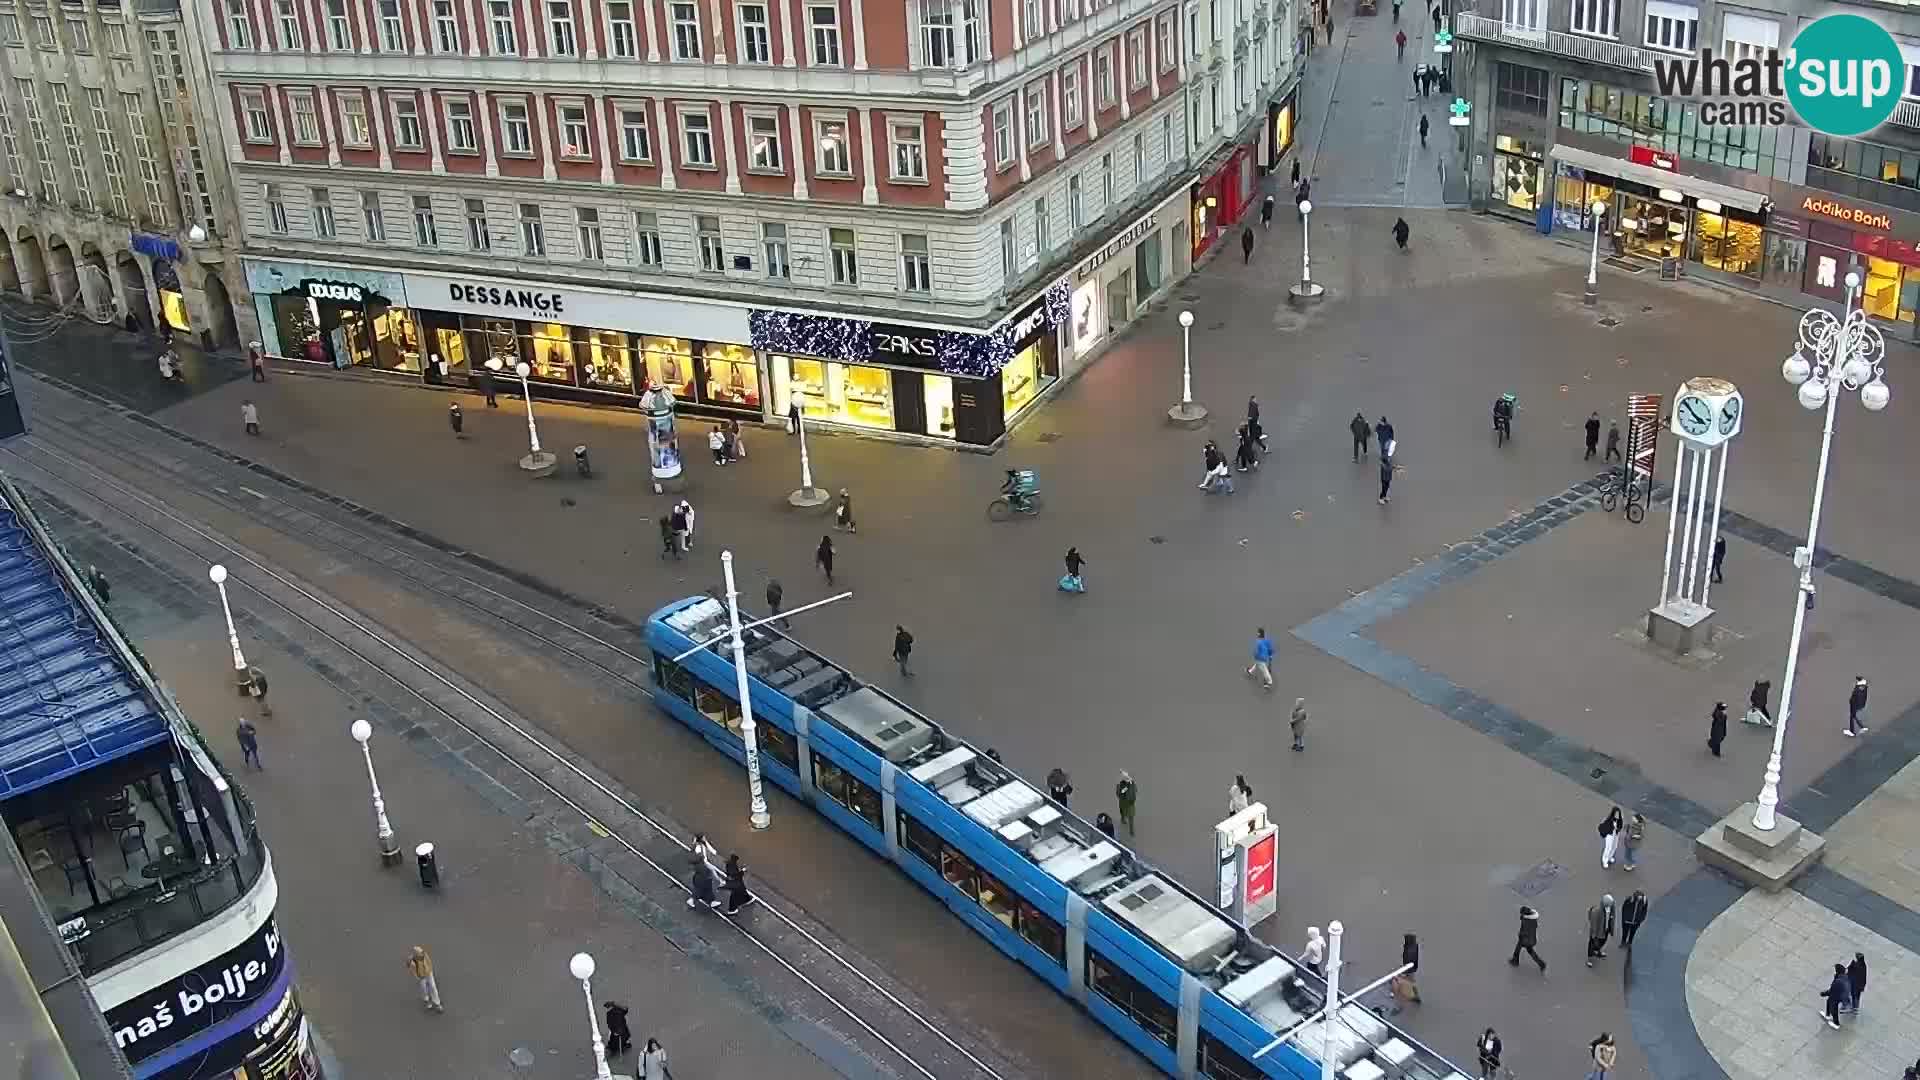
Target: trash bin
x=429, y=869
x=580, y=461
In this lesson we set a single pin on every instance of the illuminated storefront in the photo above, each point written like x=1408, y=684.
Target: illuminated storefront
x=1216, y=202
x=1111, y=285
x=173, y=302
x=1282, y=120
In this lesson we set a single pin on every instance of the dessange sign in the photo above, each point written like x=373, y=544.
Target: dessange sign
x=501, y=298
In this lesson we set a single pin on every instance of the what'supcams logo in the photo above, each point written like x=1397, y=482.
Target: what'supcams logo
x=1841, y=77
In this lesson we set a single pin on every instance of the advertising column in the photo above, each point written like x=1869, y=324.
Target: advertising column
x=1247, y=847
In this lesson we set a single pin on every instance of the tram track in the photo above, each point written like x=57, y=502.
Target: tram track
x=64, y=461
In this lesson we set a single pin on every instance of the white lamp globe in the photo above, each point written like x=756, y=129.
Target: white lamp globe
x=361, y=731
x=1856, y=371
x=1853, y=279
x=1306, y=206
x=581, y=965
x=216, y=573
x=1796, y=369
x=1875, y=395
x=1599, y=209
x=1186, y=318
x=493, y=364
x=522, y=369
x=1813, y=395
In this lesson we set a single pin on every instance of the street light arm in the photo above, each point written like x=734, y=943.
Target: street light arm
x=728, y=633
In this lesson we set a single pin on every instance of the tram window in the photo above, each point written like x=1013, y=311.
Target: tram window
x=917, y=838
x=959, y=871
x=778, y=744
x=1043, y=933
x=672, y=678
x=846, y=789
x=717, y=707
x=1221, y=1063
x=997, y=898
x=863, y=800
x=1154, y=1016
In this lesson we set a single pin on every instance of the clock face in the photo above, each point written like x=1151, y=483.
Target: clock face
x=1694, y=415
x=1729, y=416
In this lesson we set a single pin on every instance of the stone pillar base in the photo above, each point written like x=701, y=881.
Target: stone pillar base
x=810, y=500
x=540, y=465
x=1187, y=415
x=1306, y=294
x=1770, y=860
x=1679, y=625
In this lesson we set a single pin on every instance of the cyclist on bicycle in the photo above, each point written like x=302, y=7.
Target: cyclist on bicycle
x=1019, y=488
x=1503, y=417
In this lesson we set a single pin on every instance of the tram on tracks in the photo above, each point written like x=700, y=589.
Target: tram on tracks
x=1182, y=983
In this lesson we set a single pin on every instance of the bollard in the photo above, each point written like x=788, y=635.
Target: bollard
x=455, y=417
x=581, y=462
x=429, y=868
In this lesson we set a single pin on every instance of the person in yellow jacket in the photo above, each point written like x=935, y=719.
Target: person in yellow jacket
x=421, y=967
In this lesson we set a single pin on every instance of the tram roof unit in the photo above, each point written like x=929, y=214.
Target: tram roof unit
x=68, y=702
x=1248, y=973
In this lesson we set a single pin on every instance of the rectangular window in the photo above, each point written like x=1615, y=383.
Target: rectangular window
x=1141, y=1005
x=1164, y=31
x=916, y=272
x=478, y=237
x=1042, y=226
x=446, y=27
x=1106, y=182
x=76, y=150
x=373, y=217
x=1524, y=15
x=755, y=39
x=846, y=789
x=1103, y=79
x=1672, y=27
x=110, y=158
x=763, y=144
x=1036, y=115
x=773, y=238
x=1042, y=932
x=1137, y=60
x=43, y=32
x=636, y=139
x=306, y=119
x=506, y=40
x=1002, y=135
x=10, y=28
x=560, y=37
x=777, y=744
x=1193, y=31
x=239, y=26
x=1008, y=271
x=697, y=135
x=276, y=210
x=1074, y=209
x=42, y=144
x=1070, y=97
x=1520, y=89
x=462, y=136
x=1166, y=140
x=672, y=678
x=1749, y=38
x=922, y=842
x=533, y=230
x=339, y=31
x=354, y=131
x=1600, y=18
x=516, y=130
x=939, y=44
x=686, y=29
x=717, y=707
x=393, y=34
x=620, y=20
x=253, y=111
x=713, y=253
x=117, y=43
x=143, y=152
x=646, y=239
x=425, y=232
x=324, y=226
x=1139, y=161
x=16, y=164
x=406, y=123
x=593, y=246
x=823, y=27
x=909, y=149
x=1219, y=1062
x=830, y=138
x=1031, y=21
x=289, y=19
x=846, y=259
x=574, y=135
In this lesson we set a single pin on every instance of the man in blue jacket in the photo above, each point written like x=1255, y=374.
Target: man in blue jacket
x=1262, y=658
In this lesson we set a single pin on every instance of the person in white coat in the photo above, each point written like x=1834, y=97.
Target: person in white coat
x=1313, y=957
x=653, y=1062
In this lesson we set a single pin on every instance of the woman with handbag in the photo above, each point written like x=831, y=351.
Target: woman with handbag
x=1489, y=1051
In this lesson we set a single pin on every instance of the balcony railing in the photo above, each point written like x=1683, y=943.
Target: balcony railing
x=1577, y=46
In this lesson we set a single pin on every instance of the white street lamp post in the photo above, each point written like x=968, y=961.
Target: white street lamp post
x=1328, y=1059
x=806, y=497
x=1307, y=291
x=1593, y=261
x=1847, y=354
x=218, y=575
x=1187, y=413
x=383, y=829
x=582, y=968
x=537, y=460
x=757, y=807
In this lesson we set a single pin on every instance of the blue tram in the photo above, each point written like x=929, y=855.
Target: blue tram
x=1184, y=985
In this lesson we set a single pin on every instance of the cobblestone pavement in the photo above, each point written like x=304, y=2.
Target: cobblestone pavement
x=1450, y=766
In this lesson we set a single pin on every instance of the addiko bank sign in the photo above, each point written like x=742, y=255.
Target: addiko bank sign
x=1852, y=215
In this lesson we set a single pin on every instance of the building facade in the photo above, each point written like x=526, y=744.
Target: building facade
x=117, y=201
x=879, y=211
x=1567, y=114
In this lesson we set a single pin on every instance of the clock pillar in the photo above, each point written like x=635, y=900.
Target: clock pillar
x=1707, y=415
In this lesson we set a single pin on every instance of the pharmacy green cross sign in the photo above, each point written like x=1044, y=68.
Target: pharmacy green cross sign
x=1460, y=108
x=1443, y=41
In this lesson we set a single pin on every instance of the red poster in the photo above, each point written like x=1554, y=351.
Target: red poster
x=1647, y=155
x=1260, y=858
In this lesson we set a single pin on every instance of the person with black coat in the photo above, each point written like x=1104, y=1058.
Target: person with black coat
x=1059, y=787
x=1383, y=435
x=1528, y=938
x=1295, y=181
x=737, y=895
x=1423, y=132
x=1246, y=245
x=1488, y=1050
x=1857, y=979
x=1266, y=212
x=774, y=595
x=1361, y=433
x=1593, y=435
x=1717, y=732
x=823, y=557
x=1719, y=559
x=619, y=1035
x=701, y=893
x=1857, y=704
x=1757, y=703
x=902, y=649
x=1632, y=914
x=1613, y=443
x=1400, y=228
x=1410, y=954
x=1836, y=995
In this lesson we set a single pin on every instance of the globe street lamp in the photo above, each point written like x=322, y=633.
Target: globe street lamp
x=1593, y=261
x=383, y=829
x=537, y=462
x=218, y=575
x=1308, y=291
x=806, y=496
x=1846, y=354
x=582, y=968
x=1188, y=413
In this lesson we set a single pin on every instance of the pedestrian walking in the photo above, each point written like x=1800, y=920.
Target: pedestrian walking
x=653, y=1062
x=1857, y=704
x=1239, y=795
x=1254, y=431
x=250, y=416
x=1836, y=995
x=737, y=894
x=1104, y=823
x=619, y=1035
x=1436, y=18
x=843, y=514
x=823, y=557
x=1857, y=979
x=1487, y=1049
x=774, y=595
x=1636, y=832
x=1419, y=78
x=793, y=416
x=700, y=892
x=484, y=380
x=702, y=848
x=1717, y=727
x=1605, y=1053
x=1599, y=928
x=1296, y=172
x=1266, y=212
x=1757, y=710
x=687, y=514
x=421, y=967
x=1406, y=986
x=669, y=537
x=903, y=649
x=1399, y=40
x=1719, y=558
x=1613, y=442
x=1210, y=460
x=1127, y=794
x=249, y=739
x=1313, y=954
x=717, y=443
x=257, y=689
x=1298, y=722
x=1400, y=228
x=101, y=588
x=256, y=365
x=1362, y=431
x=1632, y=913
x=736, y=446
x=1610, y=828
x=1246, y=245
x=681, y=529
x=1423, y=143
x=1527, y=939
x=1060, y=786
x=1593, y=435
x=1073, y=581
x=1386, y=477
x=1262, y=658
x=1383, y=436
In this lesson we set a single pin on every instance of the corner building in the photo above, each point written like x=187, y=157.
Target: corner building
x=906, y=216
x=1566, y=113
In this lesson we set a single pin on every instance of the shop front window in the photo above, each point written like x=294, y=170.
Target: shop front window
x=1728, y=244
x=669, y=364
x=299, y=328
x=493, y=339
x=451, y=346
x=1022, y=380
x=396, y=340
x=733, y=376
x=1785, y=257
x=939, y=397
x=837, y=393
x=553, y=352
x=1651, y=228
x=1880, y=291
x=1516, y=173
x=607, y=360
